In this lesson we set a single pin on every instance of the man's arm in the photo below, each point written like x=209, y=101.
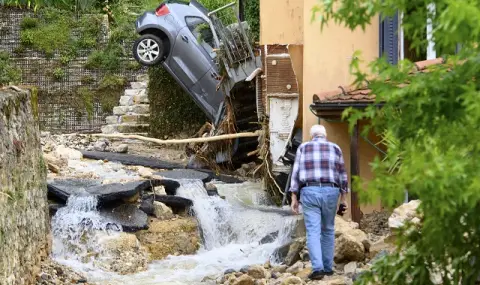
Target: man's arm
x=295, y=180
x=342, y=176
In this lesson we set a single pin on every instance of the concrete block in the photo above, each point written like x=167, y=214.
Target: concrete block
x=109, y=129
x=141, y=98
x=139, y=85
x=140, y=109
x=126, y=101
x=133, y=92
x=120, y=110
x=141, y=119
x=112, y=120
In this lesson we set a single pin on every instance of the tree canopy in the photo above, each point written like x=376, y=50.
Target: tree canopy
x=431, y=120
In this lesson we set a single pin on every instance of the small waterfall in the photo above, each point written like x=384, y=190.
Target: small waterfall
x=77, y=229
x=223, y=223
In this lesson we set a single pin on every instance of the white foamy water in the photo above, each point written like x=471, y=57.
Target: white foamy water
x=231, y=235
x=77, y=229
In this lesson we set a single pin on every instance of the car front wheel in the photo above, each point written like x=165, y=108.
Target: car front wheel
x=148, y=50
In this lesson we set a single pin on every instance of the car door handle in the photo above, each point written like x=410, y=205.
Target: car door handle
x=185, y=38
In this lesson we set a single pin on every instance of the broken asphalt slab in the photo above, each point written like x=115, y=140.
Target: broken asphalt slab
x=128, y=216
x=130, y=159
x=185, y=174
x=62, y=189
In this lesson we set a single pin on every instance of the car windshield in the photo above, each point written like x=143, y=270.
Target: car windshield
x=202, y=32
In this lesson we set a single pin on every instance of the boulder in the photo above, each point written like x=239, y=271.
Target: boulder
x=170, y=237
x=66, y=153
x=350, y=268
x=292, y=280
x=257, y=272
x=54, y=160
x=128, y=216
x=63, y=188
x=147, y=205
x=297, y=267
x=269, y=238
x=381, y=245
x=244, y=280
x=100, y=145
x=145, y=172
x=159, y=190
x=294, y=250
x=406, y=212
x=161, y=211
x=348, y=248
x=177, y=204
x=121, y=148
x=122, y=254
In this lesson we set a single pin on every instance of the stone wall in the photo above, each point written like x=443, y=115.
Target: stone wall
x=24, y=225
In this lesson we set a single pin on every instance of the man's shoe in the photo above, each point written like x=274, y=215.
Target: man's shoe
x=318, y=275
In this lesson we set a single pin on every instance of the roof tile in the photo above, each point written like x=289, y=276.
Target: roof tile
x=363, y=95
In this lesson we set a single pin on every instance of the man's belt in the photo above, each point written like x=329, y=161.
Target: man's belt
x=319, y=184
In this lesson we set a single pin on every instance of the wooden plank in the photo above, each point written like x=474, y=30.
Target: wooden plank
x=354, y=171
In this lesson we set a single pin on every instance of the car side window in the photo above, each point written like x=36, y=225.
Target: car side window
x=201, y=31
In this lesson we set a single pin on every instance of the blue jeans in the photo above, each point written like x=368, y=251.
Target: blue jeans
x=319, y=206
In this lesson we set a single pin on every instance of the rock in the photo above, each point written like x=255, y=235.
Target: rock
x=100, y=145
x=342, y=226
x=145, y=172
x=66, y=153
x=350, y=268
x=292, y=280
x=379, y=246
x=51, y=159
x=211, y=189
x=244, y=269
x=361, y=237
x=303, y=274
x=261, y=282
x=294, y=250
x=257, y=272
x=244, y=280
x=168, y=237
x=128, y=216
x=228, y=271
x=147, y=205
x=337, y=280
x=185, y=174
x=402, y=214
x=305, y=255
x=379, y=255
x=294, y=269
x=121, y=148
x=122, y=254
x=161, y=211
x=177, y=204
x=280, y=268
x=63, y=188
x=348, y=248
x=269, y=238
x=159, y=190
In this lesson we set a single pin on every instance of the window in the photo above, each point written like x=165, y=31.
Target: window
x=202, y=32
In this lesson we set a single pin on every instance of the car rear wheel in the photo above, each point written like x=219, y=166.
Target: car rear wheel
x=148, y=50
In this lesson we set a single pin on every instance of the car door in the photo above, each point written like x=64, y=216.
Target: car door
x=206, y=88
x=187, y=60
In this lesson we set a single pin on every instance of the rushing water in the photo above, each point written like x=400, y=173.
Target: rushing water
x=230, y=231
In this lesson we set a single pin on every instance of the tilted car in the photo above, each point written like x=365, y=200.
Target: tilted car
x=186, y=38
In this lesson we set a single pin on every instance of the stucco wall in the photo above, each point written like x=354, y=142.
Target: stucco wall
x=281, y=22
x=24, y=223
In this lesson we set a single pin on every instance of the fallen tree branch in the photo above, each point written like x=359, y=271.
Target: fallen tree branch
x=182, y=141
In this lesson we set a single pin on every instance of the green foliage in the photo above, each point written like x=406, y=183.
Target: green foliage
x=252, y=16
x=171, y=109
x=110, y=88
x=86, y=95
x=432, y=139
x=28, y=23
x=8, y=72
x=58, y=74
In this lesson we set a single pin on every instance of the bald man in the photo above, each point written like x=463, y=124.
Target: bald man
x=319, y=172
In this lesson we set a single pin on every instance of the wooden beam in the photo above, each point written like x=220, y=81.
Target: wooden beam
x=354, y=171
x=182, y=141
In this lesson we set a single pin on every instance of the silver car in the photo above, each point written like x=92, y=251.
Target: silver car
x=185, y=38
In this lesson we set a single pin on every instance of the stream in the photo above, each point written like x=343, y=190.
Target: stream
x=231, y=230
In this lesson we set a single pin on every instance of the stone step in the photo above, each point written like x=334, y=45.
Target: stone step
x=136, y=118
x=141, y=109
x=125, y=128
x=134, y=92
x=139, y=85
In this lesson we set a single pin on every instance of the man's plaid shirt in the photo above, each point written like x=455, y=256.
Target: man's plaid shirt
x=319, y=161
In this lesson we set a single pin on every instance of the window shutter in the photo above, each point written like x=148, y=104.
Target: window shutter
x=389, y=38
